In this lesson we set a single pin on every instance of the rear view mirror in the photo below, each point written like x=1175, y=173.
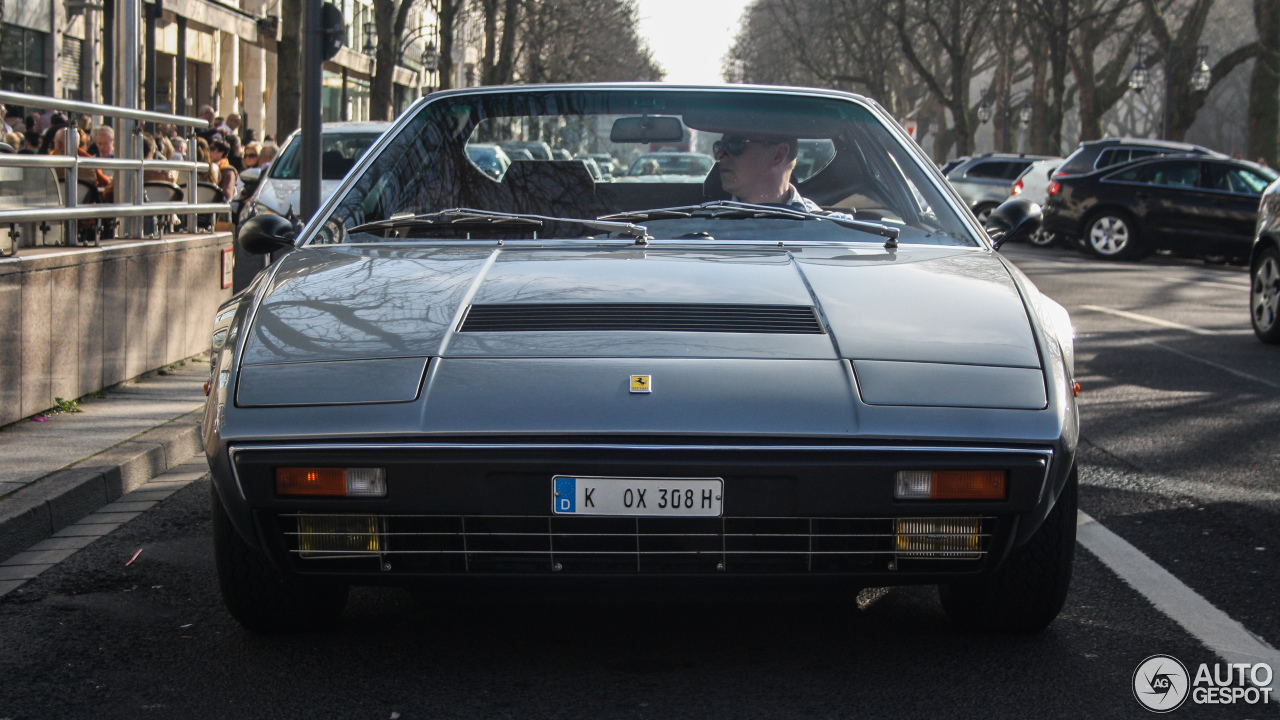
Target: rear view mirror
x=647, y=130
x=1014, y=220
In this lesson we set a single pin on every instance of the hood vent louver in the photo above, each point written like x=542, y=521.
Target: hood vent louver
x=653, y=317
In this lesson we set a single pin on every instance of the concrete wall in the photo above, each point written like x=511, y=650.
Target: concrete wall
x=77, y=321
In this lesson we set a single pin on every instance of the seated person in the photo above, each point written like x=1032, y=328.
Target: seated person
x=757, y=170
x=98, y=177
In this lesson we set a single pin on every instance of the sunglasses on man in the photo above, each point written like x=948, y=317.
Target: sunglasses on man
x=735, y=145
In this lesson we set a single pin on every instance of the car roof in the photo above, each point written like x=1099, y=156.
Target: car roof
x=1148, y=142
x=336, y=128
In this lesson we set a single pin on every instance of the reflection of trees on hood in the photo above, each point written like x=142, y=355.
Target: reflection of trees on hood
x=347, y=305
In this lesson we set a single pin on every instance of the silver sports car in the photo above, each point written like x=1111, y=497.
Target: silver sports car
x=831, y=380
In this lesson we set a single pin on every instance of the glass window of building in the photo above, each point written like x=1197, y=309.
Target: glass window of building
x=22, y=53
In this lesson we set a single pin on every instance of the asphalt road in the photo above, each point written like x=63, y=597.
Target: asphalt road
x=1179, y=457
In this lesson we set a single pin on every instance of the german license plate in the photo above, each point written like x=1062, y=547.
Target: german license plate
x=637, y=497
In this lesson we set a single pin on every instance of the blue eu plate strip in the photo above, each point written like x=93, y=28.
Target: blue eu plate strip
x=566, y=495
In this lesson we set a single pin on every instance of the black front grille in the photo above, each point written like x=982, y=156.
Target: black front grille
x=663, y=317
x=585, y=545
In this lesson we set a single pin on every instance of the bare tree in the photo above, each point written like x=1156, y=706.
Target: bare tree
x=499, y=62
x=585, y=41
x=1178, y=47
x=448, y=12
x=1264, y=85
x=289, y=70
x=390, y=17
x=959, y=30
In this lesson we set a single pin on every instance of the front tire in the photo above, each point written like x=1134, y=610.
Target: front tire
x=257, y=595
x=1264, y=296
x=1112, y=235
x=982, y=212
x=1027, y=591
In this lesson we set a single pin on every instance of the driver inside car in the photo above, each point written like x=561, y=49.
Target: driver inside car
x=757, y=170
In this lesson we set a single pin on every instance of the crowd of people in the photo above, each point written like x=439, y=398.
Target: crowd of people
x=225, y=149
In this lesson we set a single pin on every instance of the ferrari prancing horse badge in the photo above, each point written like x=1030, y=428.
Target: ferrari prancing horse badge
x=641, y=384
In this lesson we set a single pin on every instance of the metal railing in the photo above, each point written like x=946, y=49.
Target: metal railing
x=129, y=197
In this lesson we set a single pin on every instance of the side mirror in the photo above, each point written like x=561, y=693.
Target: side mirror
x=266, y=233
x=5, y=148
x=1016, y=219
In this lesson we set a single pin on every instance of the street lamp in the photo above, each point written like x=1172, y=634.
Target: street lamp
x=1200, y=80
x=370, y=45
x=1138, y=76
x=984, y=112
x=430, y=57
x=1202, y=76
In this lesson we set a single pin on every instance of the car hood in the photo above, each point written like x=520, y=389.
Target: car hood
x=282, y=195
x=918, y=304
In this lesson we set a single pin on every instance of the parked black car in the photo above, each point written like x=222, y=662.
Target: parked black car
x=1196, y=206
x=1099, y=154
x=1264, y=269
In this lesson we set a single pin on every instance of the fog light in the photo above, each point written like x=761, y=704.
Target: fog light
x=950, y=485
x=331, y=535
x=331, y=482
x=959, y=538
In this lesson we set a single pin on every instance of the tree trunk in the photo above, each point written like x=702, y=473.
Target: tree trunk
x=288, y=70
x=487, y=63
x=1037, y=134
x=504, y=72
x=448, y=15
x=1264, y=85
x=382, y=90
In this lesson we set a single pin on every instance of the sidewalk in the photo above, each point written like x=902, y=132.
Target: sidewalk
x=55, y=472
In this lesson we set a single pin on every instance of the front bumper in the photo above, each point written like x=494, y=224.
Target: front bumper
x=483, y=509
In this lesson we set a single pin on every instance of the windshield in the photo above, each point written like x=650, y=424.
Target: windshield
x=339, y=153
x=832, y=155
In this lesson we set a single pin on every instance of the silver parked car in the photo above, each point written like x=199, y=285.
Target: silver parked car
x=984, y=181
x=451, y=377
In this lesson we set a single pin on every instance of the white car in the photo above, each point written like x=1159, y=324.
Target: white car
x=1033, y=185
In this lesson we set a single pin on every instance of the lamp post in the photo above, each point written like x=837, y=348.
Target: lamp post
x=1022, y=100
x=430, y=61
x=1201, y=75
x=370, y=39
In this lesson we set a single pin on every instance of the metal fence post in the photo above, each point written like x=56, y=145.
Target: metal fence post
x=71, y=180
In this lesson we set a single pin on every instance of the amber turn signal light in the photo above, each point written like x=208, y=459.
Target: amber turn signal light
x=950, y=485
x=331, y=482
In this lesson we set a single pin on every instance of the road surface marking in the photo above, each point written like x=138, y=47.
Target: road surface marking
x=1226, y=637
x=1149, y=320
x=1213, y=364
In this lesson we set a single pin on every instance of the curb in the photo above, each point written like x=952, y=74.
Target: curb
x=61, y=498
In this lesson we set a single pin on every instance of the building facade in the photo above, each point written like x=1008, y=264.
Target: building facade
x=221, y=54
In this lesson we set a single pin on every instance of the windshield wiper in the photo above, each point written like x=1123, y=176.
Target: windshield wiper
x=471, y=218
x=733, y=209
